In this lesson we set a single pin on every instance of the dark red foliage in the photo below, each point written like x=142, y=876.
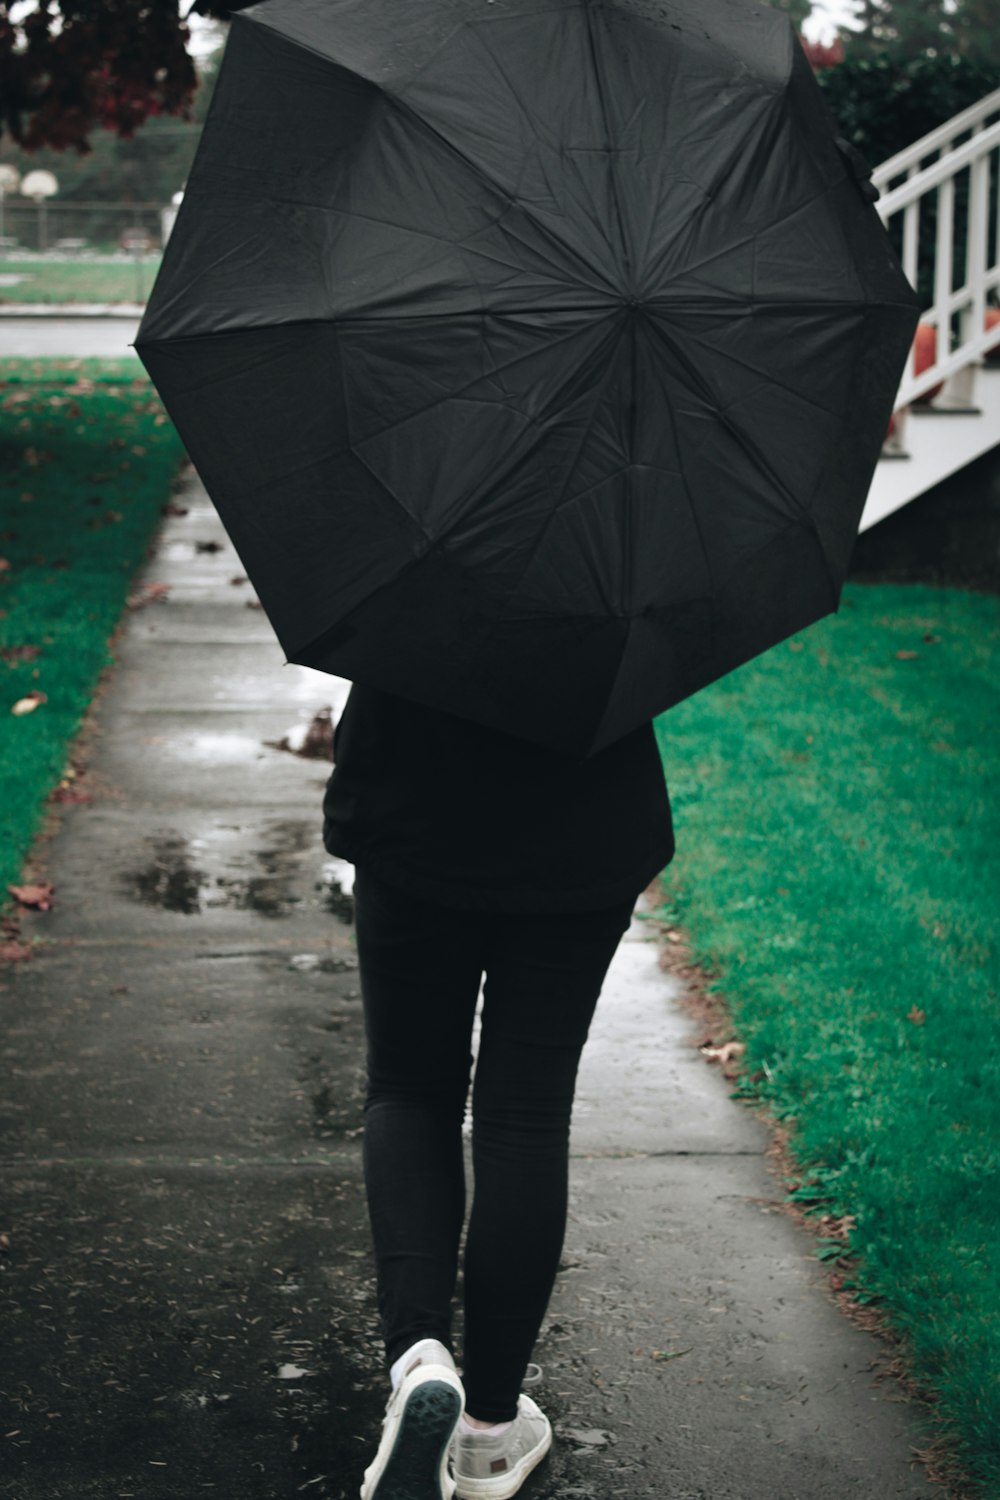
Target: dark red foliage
x=70, y=66
x=822, y=54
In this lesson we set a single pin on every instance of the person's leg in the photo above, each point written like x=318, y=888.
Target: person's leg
x=543, y=979
x=420, y=968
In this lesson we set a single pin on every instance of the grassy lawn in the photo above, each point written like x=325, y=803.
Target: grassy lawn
x=125, y=279
x=86, y=462
x=839, y=827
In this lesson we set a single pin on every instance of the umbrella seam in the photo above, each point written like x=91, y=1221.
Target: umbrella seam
x=462, y=390
x=612, y=177
x=742, y=439
x=529, y=119
x=539, y=540
x=513, y=202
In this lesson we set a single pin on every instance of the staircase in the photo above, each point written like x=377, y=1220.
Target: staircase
x=941, y=204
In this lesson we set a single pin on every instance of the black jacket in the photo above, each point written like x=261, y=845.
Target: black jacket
x=481, y=820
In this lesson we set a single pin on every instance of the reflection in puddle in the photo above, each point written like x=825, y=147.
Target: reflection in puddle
x=169, y=880
x=218, y=749
x=337, y=887
x=218, y=870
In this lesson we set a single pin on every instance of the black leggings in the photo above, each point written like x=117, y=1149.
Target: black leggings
x=421, y=966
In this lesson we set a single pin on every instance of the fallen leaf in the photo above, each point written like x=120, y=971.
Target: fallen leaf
x=4, y=564
x=19, y=653
x=29, y=702
x=13, y=952
x=916, y=1015
x=796, y=646
x=291, y=1372
x=725, y=1053
x=907, y=655
x=149, y=593
x=313, y=741
x=173, y=509
x=587, y=1437
x=240, y=578
x=669, y=1353
x=38, y=895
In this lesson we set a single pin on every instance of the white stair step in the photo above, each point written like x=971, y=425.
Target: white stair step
x=937, y=444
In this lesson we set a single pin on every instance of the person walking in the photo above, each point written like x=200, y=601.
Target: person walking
x=477, y=852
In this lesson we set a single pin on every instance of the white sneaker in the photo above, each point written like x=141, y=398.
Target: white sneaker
x=420, y=1419
x=489, y=1466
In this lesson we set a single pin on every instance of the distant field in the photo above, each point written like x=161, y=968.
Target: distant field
x=38, y=279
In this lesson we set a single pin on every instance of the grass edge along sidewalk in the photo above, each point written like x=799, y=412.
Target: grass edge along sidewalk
x=837, y=815
x=87, y=459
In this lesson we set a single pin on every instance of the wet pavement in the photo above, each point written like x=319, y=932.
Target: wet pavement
x=189, y=1305
x=44, y=335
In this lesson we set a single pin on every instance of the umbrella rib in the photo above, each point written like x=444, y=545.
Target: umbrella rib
x=766, y=378
x=696, y=519
x=462, y=389
x=558, y=503
x=564, y=246
x=751, y=239
x=465, y=245
x=612, y=176
x=749, y=448
x=533, y=127
x=598, y=397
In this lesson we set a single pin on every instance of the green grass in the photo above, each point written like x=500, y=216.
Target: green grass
x=86, y=462
x=126, y=280
x=839, y=826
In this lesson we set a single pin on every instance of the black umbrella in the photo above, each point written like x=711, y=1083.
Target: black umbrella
x=537, y=355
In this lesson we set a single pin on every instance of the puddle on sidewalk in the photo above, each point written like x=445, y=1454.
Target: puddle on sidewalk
x=169, y=880
x=272, y=876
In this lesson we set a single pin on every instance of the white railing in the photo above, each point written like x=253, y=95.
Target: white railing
x=946, y=190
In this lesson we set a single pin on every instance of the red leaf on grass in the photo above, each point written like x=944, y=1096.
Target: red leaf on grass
x=19, y=653
x=39, y=896
x=907, y=655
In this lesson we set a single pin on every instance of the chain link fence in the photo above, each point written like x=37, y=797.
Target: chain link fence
x=72, y=252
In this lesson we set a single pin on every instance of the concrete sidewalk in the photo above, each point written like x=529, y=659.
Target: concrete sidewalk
x=190, y=1304
x=74, y=332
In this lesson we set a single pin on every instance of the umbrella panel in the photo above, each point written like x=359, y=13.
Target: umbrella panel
x=558, y=381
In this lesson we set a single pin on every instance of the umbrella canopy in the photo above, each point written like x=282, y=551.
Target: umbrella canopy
x=537, y=355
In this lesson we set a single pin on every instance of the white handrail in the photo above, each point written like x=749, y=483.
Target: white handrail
x=963, y=266
x=939, y=171
x=943, y=136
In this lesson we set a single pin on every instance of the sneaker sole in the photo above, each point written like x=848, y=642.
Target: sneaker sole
x=505, y=1485
x=416, y=1467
